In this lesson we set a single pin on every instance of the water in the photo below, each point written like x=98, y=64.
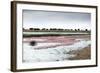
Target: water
x=40, y=33
x=60, y=53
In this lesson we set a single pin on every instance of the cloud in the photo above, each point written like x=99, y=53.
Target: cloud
x=52, y=19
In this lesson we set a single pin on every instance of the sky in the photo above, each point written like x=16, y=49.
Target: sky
x=56, y=19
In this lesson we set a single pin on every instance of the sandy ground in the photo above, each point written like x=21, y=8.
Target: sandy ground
x=81, y=54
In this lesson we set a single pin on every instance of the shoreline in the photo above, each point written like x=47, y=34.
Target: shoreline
x=82, y=54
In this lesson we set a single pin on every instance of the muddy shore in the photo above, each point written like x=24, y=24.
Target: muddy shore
x=83, y=54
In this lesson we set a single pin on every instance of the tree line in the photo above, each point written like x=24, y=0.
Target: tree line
x=54, y=29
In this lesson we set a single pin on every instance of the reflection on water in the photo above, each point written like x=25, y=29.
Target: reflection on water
x=56, y=53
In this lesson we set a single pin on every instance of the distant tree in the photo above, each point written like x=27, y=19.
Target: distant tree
x=43, y=29
x=50, y=28
x=46, y=29
x=75, y=29
x=36, y=29
x=54, y=29
x=60, y=29
x=86, y=29
x=31, y=28
x=78, y=29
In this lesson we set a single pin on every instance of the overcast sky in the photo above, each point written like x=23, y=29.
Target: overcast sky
x=52, y=19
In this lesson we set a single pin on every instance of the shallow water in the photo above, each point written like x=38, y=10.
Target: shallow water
x=59, y=53
x=37, y=33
